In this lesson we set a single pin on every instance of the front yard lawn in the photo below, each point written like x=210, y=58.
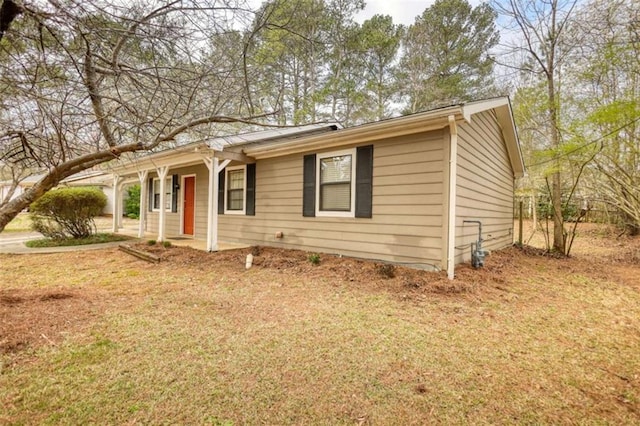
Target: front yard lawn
x=103, y=337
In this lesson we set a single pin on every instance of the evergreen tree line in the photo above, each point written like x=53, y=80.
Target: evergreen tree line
x=314, y=62
x=85, y=82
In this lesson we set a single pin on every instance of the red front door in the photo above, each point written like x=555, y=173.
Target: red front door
x=189, y=204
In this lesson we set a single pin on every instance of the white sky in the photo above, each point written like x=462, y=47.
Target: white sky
x=402, y=11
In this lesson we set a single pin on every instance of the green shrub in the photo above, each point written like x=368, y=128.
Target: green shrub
x=132, y=202
x=314, y=258
x=166, y=244
x=67, y=212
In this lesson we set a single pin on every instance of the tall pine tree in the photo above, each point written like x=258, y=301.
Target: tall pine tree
x=446, y=55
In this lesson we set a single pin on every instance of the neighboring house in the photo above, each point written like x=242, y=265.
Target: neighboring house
x=396, y=190
x=94, y=178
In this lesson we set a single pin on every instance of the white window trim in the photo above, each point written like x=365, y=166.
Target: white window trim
x=328, y=213
x=244, y=189
x=169, y=185
x=181, y=203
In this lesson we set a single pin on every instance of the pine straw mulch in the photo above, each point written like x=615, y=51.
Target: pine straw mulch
x=620, y=264
x=33, y=317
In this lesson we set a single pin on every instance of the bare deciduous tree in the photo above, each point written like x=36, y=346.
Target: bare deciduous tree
x=83, y=82
x=606, y=72
x=541, y=27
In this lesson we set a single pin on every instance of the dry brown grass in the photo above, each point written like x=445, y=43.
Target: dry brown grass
x=102, y=337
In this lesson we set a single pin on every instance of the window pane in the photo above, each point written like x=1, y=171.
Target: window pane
x=235, y=199
x=335, y=169
x=236, y=179
x=335, y=197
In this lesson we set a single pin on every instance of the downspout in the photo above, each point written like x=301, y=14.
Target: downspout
x=453, y=166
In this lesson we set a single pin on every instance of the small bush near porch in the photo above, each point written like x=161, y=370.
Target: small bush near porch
x=67, y=212
x=197, y=339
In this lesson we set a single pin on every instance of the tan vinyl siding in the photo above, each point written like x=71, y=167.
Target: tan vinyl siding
x=485, y=186
x=407, y=205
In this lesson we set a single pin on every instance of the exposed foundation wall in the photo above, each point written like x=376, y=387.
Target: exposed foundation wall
x=485, y=186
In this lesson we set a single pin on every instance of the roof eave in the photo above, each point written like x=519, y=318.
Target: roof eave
x=417, y=123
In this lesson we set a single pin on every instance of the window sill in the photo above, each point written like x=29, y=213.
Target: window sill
x=334, y=214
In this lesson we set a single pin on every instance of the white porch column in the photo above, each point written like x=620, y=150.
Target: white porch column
x=117, y=201
x=144, y=199
x=214, y=167
x=120, y=203
x=162, y=174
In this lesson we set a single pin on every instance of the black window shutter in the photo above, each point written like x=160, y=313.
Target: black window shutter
x=251, y=190
x=364, y=181
x=174, y=193
x=309, y=186
x=221, y=192
x=150, y=189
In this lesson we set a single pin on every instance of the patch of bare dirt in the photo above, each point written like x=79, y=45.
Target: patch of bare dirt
x=31, y=318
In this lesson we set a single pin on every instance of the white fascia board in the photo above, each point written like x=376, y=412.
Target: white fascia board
x=472, y=108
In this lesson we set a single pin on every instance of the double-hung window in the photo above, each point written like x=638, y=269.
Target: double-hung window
x=339, y=183
x=336, y=183
x=168, y=194
x=235, y=190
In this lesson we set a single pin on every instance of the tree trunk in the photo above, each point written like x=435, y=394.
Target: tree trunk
x=14, y=207
x=9, y=193
x=57, y=174
x=534, y=213
x=558, y=220
x=556, y=179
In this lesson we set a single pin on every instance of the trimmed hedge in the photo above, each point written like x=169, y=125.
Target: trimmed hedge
x=67, y=212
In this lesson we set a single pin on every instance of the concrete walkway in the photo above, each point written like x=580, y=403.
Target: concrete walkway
x=14, y=242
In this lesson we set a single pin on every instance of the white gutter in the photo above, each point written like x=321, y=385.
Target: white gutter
x=453, y=166
x=390, y=128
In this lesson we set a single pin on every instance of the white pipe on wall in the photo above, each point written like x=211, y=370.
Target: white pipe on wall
x=453, y=166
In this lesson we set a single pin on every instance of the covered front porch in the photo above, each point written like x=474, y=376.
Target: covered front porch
x=180, y=195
